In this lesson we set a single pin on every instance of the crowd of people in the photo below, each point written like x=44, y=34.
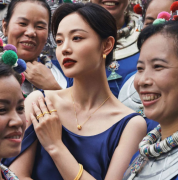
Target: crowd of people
x=104, y=106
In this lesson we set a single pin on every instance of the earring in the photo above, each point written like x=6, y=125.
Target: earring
x=104, y=56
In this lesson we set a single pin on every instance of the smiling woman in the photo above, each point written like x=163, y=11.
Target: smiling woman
x=12, y=117
x=26, y=26
x=156, y=82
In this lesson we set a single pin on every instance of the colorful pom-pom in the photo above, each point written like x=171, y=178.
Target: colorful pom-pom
x=22, y=77
x=9, y=57
x=174, y=7
x=21, y=66
x=175, y=17
x=164, y=15
x=10, y=47
x=67, y=1
x=159, y=21
x=1, y=42
x=138, y=9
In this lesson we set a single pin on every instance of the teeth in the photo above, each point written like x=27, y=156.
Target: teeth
x=14, y=137
x=27, y=44
x=150, y=97
x=110, y=3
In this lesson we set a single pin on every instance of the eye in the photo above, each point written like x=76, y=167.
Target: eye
x=147, y=24
x=21, y=109
x=158, y=67
x=58, y=41
x=139, y=68
x=77, y=38
x=40, y=27
x=2, y=110
x=23, y=24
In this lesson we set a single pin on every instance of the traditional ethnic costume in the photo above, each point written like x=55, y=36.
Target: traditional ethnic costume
x=157, y=160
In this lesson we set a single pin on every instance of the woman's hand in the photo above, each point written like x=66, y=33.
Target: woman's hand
x=40, y=76
x=48, y=127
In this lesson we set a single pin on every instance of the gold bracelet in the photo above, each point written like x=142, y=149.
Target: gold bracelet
x=80, y=172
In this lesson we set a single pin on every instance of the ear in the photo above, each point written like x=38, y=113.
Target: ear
x=4, y=27
x=108, y=45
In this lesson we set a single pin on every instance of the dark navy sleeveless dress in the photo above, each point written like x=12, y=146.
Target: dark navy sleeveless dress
x=93, y=152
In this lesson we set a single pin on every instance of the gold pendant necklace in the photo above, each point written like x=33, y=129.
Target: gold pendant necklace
x=79, y=127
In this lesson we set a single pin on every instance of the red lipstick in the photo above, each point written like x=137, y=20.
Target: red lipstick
x=67, y=62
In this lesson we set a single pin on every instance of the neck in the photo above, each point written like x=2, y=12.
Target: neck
x=120, y=22
x=169, y=129
x=91, y=89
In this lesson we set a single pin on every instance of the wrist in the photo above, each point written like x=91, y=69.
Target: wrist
x=54, y=150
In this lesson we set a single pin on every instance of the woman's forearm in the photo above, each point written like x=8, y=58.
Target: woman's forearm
x=67, y=164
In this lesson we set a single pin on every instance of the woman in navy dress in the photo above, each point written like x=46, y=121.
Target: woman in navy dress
x=87, y=125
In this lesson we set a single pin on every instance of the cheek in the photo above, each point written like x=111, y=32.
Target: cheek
x=136, y=80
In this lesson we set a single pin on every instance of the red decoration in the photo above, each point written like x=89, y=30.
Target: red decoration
x=138, y=9
x=1, y=43
x=174, y=7
x=175, y=17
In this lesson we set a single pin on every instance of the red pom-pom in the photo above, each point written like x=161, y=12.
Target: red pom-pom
x=174, y=7
x=22, y=78
x=164, y=15
x=1, y=42
x=175, y=17
x=138, y=9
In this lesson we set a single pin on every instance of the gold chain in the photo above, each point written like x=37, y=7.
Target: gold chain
x=79, y=127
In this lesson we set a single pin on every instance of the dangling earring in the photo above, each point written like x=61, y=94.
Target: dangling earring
x=104, y=56
x=114, y=66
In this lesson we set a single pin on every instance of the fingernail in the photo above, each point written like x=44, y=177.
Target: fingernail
x=33, y=103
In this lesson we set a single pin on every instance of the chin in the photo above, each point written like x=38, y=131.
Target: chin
x=11, y=153
x=150, y=114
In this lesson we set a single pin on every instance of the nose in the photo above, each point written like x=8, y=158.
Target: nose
x=30, y=31
x=145, y=79
x=66, y=48
x=16, y=120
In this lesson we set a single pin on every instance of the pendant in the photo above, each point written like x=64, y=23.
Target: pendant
x=113, y=67
x=79, y=127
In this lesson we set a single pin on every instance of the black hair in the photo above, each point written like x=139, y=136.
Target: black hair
x=2, y=6
x=7, y=70
x=100, y=20
x=168, y=29
x=14, y=3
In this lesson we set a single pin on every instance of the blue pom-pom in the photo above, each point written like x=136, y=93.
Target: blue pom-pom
x=9, y=57
x=21, y=66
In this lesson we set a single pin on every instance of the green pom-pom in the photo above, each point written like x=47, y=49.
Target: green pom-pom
x=9, y=57
x=67, y=1
x=159, y=21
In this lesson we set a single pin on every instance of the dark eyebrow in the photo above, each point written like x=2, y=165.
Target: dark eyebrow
x=5, y=101
x=25, y=19
x=20, y=101
x=153, y=60
x=140, y=61
x=72, y=31
x=159, y=59
x=150, y=18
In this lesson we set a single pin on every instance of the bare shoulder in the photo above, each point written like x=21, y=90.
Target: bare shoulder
x=137, y=125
